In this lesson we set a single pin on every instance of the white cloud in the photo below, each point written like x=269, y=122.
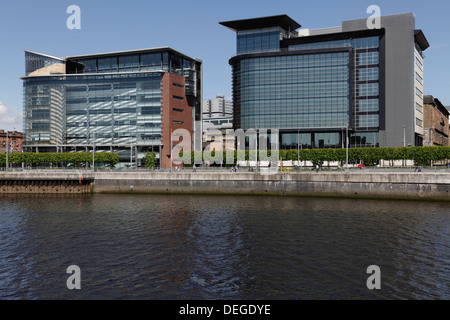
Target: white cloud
x=9, y=121
x=3, y=109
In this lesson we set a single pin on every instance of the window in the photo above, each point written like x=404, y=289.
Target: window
x=151, y=60
x=364, y=43
x=370, y=89
x=129, y=63
x=90, y=65
x=419, y=78
x=178, y=110
x=419, y=93
x=419, y=122
x=178, y=97
x=367, y=105
x=257, y=41
x=41, y=125
x=368, y=74
x=178, y=85
x=165, y=61
x=367, y=121
x=367, y=58
x=151, y=110
x=107, y=64
x=41, y=113
x=364, y=140
x=419, y=108
x=419, y=63
x=177, y=122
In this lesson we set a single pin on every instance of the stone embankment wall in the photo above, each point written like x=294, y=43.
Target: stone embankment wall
x=371, y=185
x=336, y=184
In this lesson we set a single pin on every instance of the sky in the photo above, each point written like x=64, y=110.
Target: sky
x=191, y=27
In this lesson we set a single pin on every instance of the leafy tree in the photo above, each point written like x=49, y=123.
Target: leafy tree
x=150, y=159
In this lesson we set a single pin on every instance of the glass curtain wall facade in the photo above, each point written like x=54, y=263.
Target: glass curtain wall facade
x=319, y=87
x=364, y=77
x=113, y=102
x=313, y=90
x=298, y=91
x=44, y=112
x=266, y=39
x=114, y=110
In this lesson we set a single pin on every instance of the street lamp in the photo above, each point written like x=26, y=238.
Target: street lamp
x=7, y=149
x=256, y=147
x=93, y=152
x=404, y=136
x=298, y=147
x=346, y=148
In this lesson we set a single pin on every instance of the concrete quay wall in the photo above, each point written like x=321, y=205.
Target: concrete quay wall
x=368, y=185
x=434, y=186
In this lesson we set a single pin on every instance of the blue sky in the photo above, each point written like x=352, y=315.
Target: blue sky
x=190, y=27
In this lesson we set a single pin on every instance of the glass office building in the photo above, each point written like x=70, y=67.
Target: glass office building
x=126, y=102
x=313, y=86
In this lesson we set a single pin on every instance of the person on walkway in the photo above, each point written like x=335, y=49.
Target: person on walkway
x=195, y=170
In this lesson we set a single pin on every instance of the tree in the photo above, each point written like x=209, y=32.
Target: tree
x=150, y=159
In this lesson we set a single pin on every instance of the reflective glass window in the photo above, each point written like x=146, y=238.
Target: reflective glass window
x=129, y=63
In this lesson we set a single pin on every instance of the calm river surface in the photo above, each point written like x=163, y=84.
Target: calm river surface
x=222, y=247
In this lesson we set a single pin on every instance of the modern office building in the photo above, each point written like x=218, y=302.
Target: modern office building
x=436, y=122
x=127, y=102
x=317, y=85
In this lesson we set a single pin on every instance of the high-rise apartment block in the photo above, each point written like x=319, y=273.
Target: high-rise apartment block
x=218, y=107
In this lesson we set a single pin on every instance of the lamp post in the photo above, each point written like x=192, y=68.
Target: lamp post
x=131, y=156
x=7, y=149
x=346, y=148
x=93, y=152
x=404, y=136
x=256, y=147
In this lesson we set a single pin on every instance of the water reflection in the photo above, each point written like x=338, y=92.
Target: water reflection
x=212, y=247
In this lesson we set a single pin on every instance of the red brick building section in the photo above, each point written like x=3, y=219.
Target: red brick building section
x=176, y=114
x=15, y=141
x=435, y=122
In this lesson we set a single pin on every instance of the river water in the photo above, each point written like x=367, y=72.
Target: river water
x=222, y=247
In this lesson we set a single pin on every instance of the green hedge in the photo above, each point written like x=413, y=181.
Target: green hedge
x=75, y=159
x=368, y=156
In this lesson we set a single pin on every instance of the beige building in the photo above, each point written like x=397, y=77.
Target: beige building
x=418, y=89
